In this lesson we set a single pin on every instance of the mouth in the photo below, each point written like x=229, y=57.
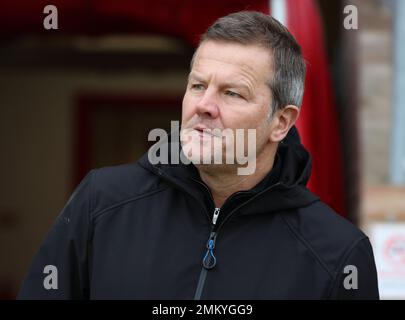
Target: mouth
x=202, y=130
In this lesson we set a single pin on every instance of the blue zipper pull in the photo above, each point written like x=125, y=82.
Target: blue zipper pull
x=209, y=260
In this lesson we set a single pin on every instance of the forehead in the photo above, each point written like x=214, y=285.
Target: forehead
x=249, y=60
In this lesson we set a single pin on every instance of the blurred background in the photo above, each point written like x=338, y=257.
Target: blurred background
x=86, y=95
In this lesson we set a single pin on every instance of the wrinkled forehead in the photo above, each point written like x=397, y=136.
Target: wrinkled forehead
x=251, y=60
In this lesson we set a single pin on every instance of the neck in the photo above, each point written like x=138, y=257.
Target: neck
x=223, y=180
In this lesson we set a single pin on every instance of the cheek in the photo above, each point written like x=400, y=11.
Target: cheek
x=246, y=119
x=260, y=118
x=188, y=109
x=255, y=119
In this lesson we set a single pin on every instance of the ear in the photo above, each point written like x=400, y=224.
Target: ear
x=283, y=121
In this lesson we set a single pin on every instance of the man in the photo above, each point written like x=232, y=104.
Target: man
x=202, y=230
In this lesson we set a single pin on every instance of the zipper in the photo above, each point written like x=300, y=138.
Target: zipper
x=215, y=216
x=209, y=261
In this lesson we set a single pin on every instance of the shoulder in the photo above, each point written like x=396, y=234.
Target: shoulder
x=329, y=237
x=110, y=186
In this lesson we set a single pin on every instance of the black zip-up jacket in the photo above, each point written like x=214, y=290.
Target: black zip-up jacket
x=143, y=231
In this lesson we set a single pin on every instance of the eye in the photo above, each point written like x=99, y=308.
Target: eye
x=233, y=94
x=197, y=86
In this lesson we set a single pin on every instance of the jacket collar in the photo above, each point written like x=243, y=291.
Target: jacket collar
x=289, y=192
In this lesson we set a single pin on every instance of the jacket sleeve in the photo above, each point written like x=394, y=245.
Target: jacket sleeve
x=357, y=276
x=60, y=268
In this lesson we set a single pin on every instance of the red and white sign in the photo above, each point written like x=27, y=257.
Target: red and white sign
x=388, y=240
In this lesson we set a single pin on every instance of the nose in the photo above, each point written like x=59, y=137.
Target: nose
x=207, y=106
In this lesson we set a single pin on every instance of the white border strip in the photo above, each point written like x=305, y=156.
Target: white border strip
x=278, y=10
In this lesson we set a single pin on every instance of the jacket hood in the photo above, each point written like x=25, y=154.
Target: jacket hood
x=289, y=192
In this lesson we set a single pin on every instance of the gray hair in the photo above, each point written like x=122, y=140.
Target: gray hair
x=255, y=28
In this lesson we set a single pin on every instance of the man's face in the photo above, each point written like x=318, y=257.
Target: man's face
x=227, y=89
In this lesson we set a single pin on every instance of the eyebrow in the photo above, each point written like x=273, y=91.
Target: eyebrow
x=195, y=76
x=237, y=84
x=232, y=84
